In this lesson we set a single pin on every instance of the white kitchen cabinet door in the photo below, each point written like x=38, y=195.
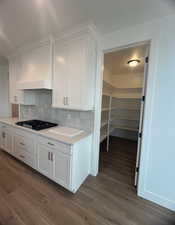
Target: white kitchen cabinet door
x=60, y=78
x=37, y=68
x=16, y=96
x=74, y=73
x=6, y=139
x=44, y=163
x=3, y=139
x=9, y=146
x=24, y=156
x=61, y=168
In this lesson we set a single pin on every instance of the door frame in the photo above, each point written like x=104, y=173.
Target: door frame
x=142, y=109
x=115, y=41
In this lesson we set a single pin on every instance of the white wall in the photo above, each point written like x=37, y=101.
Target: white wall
x=107, y=76
x=160, y=174
x=4, y=91
x=157, y=169
x=128, y=80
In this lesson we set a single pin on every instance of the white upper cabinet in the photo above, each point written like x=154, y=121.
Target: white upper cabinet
x=18, y=96
x=14, y=73
x=65, y=65
x=36, y=67
x=74, y=73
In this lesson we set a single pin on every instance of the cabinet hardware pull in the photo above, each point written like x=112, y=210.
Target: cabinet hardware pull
x=67, y=101
x=21, y=156
x=48, y=155
x=3, y=134
x=50, y=144
x=51, y=156
x=15, y=98
x=64, y=100
x=22, y=144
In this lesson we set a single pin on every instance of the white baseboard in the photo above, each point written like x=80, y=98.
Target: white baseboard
x=160, y=200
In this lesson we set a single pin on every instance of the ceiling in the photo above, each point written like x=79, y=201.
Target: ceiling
x=116, y=62
x=23, y=21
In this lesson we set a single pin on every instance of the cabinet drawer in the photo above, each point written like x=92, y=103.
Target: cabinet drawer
x=26, y=143
x=65, y=148
x=25, y=157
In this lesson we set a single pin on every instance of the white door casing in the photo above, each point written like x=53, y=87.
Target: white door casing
x=141, y=117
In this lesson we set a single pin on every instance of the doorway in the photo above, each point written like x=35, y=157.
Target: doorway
x=122, y=111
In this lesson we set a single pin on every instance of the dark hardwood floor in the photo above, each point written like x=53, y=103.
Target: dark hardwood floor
x=28, y=198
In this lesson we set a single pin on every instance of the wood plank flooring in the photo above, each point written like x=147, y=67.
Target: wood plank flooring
x=28, y=198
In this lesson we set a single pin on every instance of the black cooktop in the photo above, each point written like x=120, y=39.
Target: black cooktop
x=36, y=124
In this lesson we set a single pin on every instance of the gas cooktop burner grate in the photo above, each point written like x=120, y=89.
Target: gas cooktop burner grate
x=36, y=124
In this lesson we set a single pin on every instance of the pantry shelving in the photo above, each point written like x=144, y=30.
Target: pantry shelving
x=120, y=110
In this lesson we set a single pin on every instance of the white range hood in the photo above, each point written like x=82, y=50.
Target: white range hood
x=36, y=84
x=36, y=67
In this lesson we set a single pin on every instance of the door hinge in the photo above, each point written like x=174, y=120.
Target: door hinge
x=140, y=135
x=146, y=59
x=137, y=169
x=143, y=98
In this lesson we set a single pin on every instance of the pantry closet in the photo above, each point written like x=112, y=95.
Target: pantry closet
x=122, y=100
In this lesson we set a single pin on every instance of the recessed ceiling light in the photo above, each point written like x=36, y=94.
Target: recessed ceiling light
x=60, y=59
x=133, y=62
x=40, y=2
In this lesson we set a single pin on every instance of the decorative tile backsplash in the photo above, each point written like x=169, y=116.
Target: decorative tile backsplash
x=43, y=111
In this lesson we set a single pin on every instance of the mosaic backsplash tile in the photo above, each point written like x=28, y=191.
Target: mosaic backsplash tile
x=43, y=111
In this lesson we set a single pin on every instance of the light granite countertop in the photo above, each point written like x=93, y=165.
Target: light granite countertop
x=46, y=133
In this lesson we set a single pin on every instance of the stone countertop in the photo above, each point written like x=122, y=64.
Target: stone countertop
x=46, y=133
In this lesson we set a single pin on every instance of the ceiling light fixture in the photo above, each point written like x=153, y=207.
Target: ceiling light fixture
x=133, y=62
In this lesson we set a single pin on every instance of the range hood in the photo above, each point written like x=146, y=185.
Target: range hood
x=36, y=67
x=37, y=84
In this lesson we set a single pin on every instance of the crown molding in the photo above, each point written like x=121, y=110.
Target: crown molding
x=84, y=28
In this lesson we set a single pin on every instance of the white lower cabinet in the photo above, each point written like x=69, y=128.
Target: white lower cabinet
x=44, y=164
x=24, y=156
x=61, y=168
x=24, y=147
x=54, y=163
x=6, y=139
x=65, y=164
